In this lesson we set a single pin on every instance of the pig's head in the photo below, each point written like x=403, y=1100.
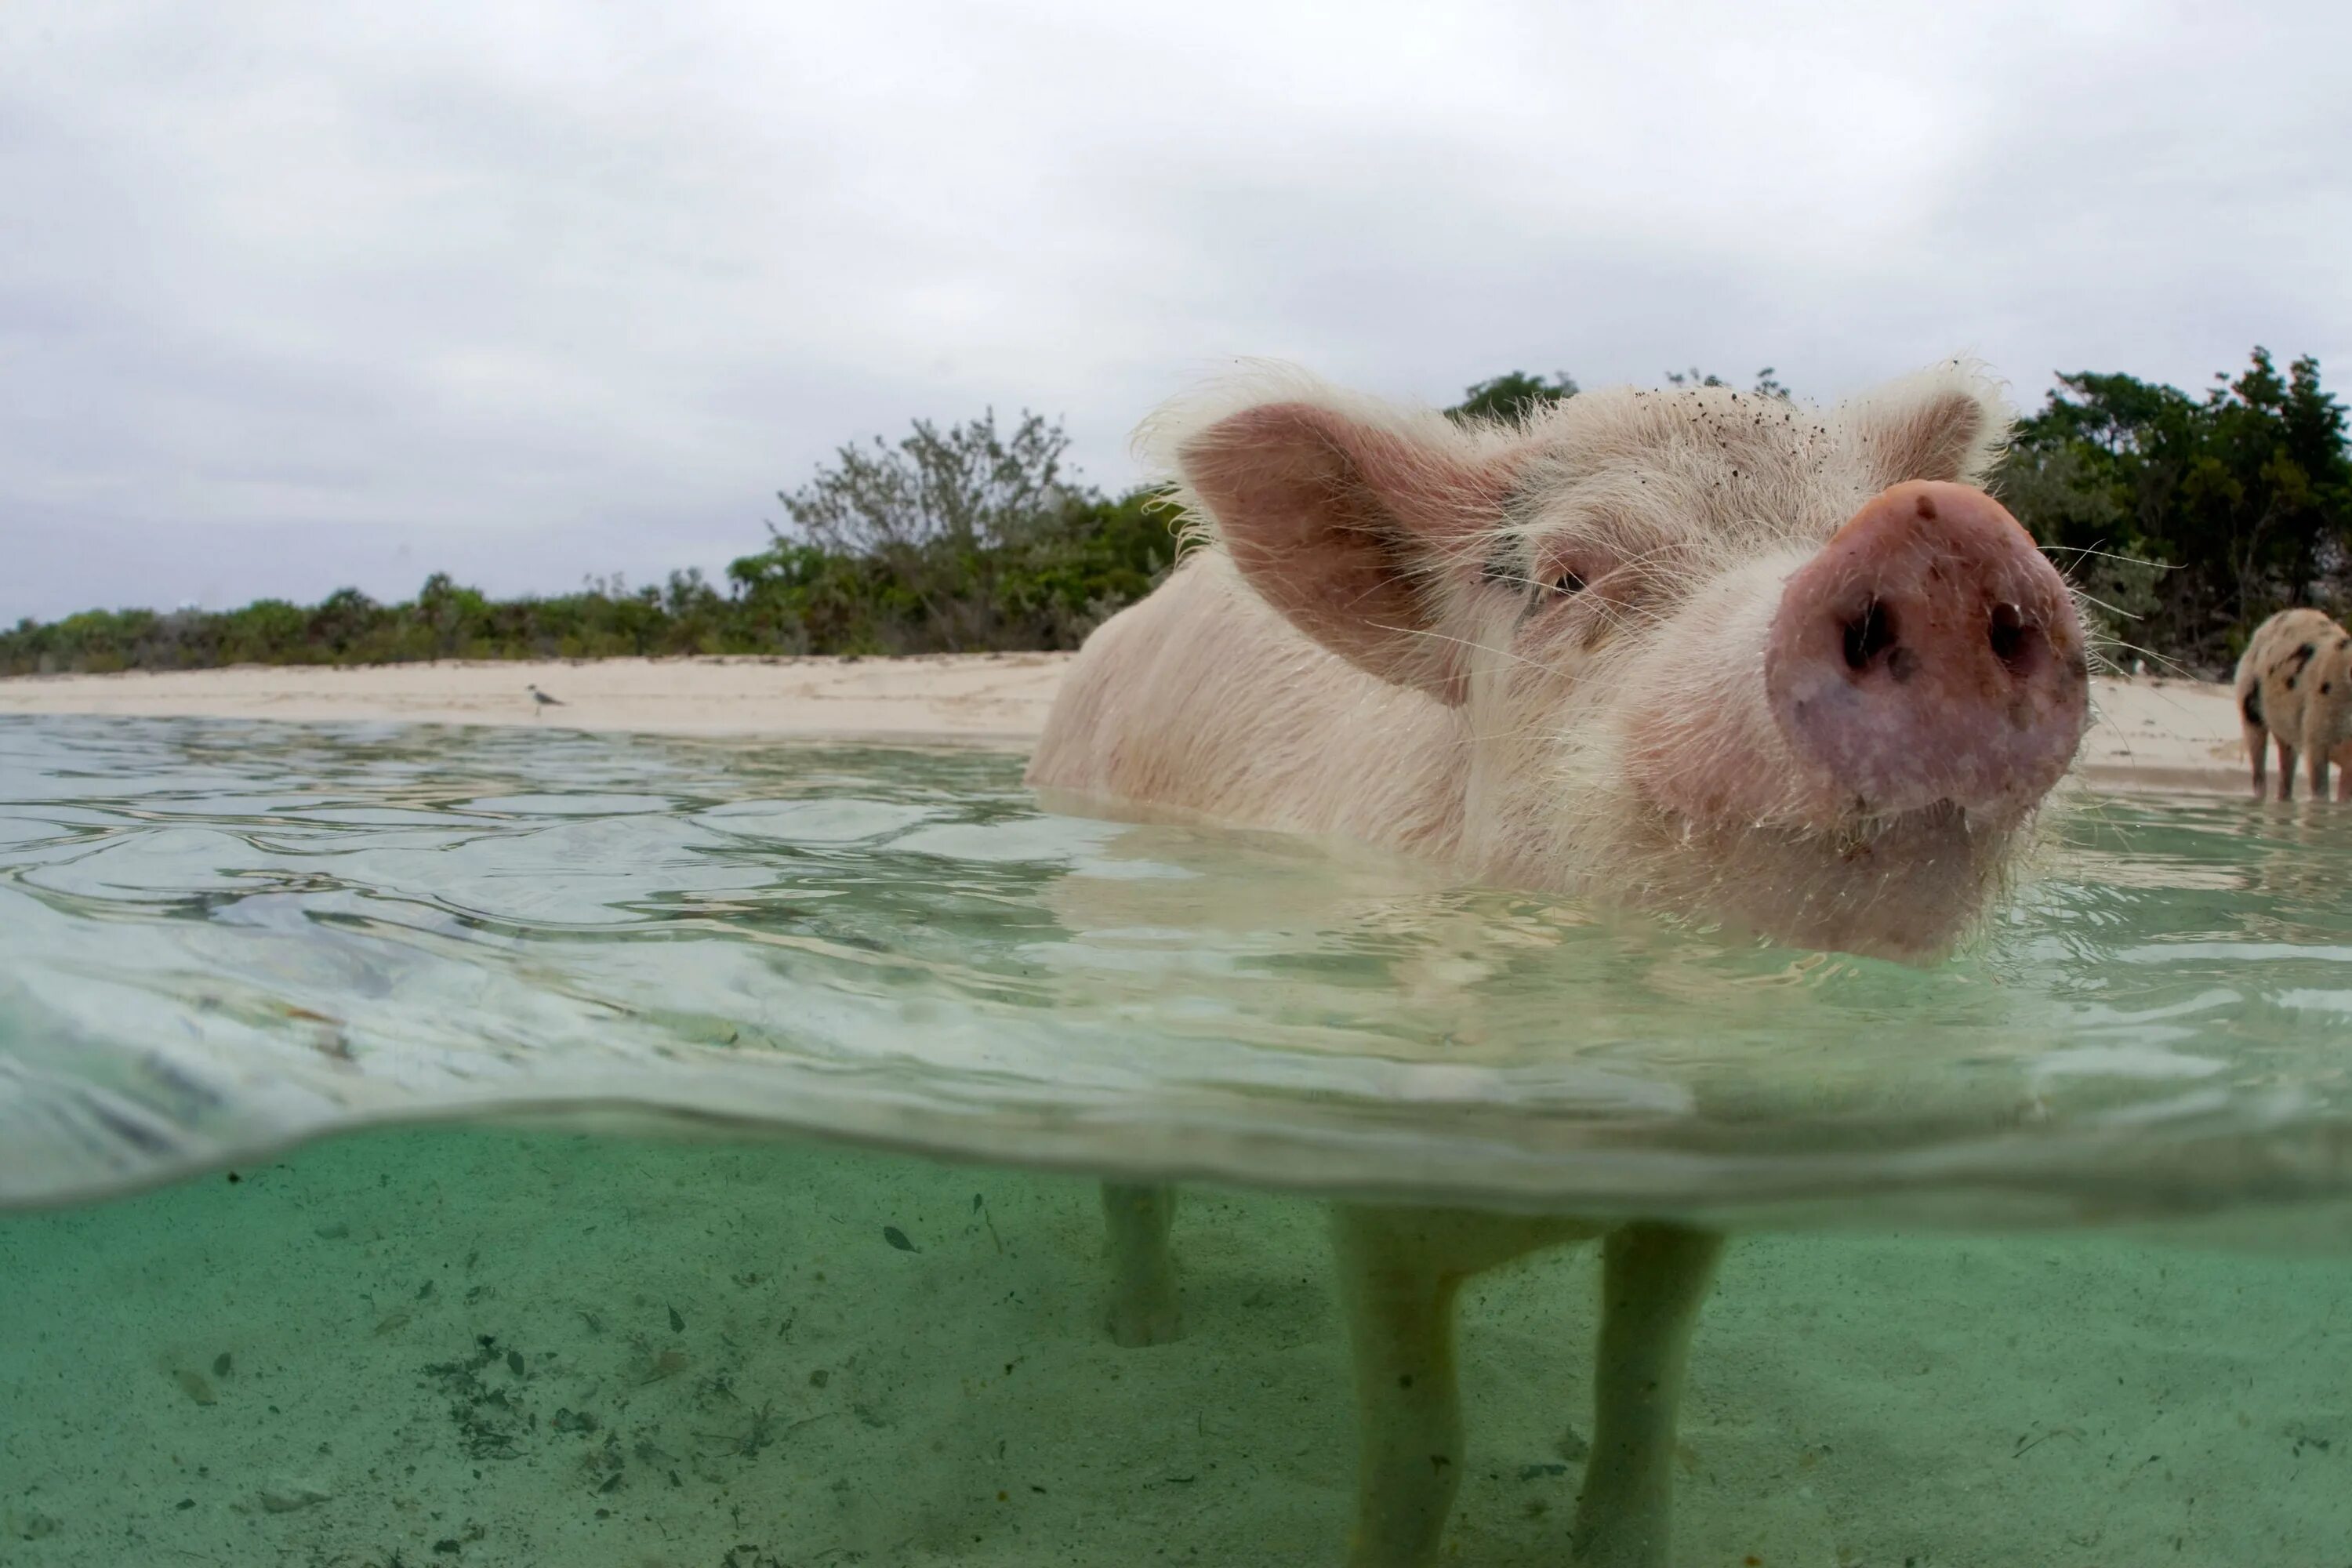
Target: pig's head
x=1715, y=652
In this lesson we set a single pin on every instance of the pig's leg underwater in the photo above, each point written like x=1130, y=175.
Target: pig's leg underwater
x=1143, y=1310
x=1653, y=1278
x=1400, y=1271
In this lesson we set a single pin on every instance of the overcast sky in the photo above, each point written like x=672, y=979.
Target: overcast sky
x=300, y=295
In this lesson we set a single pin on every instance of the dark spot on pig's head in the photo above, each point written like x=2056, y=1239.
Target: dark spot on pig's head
x=2325, y=687
x=1503, y=566
x=1927, y=510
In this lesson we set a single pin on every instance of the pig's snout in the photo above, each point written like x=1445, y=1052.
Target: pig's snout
x=1929, y=653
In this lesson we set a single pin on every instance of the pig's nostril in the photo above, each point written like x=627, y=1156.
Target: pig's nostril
x=2007, y=633
x=1868, y=635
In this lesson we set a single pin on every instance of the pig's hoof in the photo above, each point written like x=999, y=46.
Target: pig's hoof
x=1150, y=1318
x=1621, y=1544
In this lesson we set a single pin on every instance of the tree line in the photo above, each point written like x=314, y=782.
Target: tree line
x=956, y=539
x=2187, y=519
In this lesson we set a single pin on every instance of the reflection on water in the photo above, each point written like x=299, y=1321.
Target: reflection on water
x=222, y=938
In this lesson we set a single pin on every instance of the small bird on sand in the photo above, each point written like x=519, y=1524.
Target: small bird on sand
x=540, y=700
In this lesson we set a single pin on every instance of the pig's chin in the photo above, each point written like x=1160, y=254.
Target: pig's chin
x=1905, y=886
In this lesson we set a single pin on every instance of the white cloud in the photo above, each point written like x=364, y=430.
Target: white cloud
x=301, y=295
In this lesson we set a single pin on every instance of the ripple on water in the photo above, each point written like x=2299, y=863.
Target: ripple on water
x=225, y=937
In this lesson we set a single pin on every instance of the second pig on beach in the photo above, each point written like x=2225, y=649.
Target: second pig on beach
x=2294, y=691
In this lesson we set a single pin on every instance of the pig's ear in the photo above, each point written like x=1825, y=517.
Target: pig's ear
x=1947, y=423
x=1356, y=526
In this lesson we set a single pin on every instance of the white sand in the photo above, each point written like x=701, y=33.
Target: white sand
x=2151, y=733
x=999, y=698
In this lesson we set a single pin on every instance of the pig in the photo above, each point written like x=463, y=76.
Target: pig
x=1699, y=651
x=2294, y=687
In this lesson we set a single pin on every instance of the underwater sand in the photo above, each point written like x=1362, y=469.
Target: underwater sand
x=824, y=1397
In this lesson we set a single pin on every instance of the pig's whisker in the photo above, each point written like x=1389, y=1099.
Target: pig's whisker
x=2079, y=549
x=2164, y=663
x=1463, y=642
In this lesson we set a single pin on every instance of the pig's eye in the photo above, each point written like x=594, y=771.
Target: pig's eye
x=1568, y=582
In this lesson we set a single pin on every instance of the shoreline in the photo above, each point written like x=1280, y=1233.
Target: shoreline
x=2152, y=733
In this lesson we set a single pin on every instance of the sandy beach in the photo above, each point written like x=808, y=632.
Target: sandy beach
x=2150, y=733
x=999, y=698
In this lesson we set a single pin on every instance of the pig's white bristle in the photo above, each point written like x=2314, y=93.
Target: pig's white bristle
x=1686, y=490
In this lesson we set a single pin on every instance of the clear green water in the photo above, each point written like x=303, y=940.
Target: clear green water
x=452, y=1343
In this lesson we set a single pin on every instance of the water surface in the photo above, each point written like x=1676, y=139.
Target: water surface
x=222, y=938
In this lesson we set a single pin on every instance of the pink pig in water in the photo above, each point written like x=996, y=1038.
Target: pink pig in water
x=1696, y=650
